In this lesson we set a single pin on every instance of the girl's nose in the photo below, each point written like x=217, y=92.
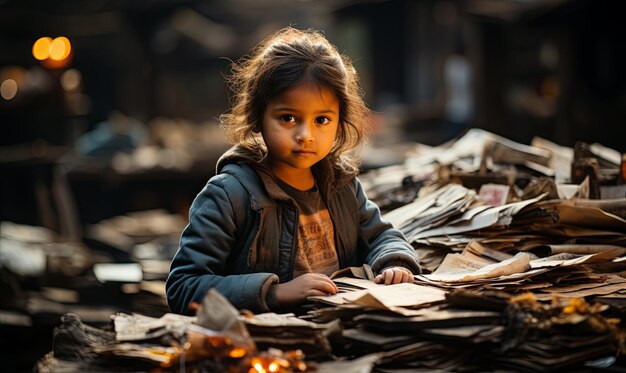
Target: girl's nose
x=304, y=133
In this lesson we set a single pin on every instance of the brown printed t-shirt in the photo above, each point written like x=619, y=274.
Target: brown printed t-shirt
x=316, y=234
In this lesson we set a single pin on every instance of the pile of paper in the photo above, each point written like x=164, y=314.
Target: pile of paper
x=565, y=274
x=479, y=331
x=215, y=340
x=46, y=276
x=287, y=332
x=479, y=157
x=400, y=320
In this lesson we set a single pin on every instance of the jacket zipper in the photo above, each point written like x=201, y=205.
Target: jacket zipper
x=294, y=244
x=339, y=246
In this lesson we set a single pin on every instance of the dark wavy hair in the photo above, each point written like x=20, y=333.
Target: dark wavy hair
x=285, y=59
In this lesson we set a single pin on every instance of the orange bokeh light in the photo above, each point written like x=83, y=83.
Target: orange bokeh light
x=41, y=48
x=60, y=48
x=53, y=53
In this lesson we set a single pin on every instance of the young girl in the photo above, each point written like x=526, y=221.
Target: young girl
x=285, y=209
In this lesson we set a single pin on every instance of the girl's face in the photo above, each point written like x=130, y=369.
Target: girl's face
x=299, y=128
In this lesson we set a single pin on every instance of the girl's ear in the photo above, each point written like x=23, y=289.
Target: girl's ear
x=256, y=129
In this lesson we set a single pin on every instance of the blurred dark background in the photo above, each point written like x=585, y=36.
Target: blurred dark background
x=149, y=74
x=126, y=120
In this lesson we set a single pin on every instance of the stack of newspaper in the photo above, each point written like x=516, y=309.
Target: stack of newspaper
x=418, y=327
x=287, y=332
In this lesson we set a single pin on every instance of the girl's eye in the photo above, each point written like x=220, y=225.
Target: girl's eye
x=322, y=120
x=287, y=118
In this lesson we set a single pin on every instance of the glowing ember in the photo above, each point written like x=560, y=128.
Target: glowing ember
x=277, y=361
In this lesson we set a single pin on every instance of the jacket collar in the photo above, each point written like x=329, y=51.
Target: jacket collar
x=329, y=178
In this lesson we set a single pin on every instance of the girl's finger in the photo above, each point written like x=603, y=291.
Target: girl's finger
x=332, y=284
x=388, y=277
x=398, y=274
x=315, y=292
x=407, y=277
x=324, y=286
x=330, y=287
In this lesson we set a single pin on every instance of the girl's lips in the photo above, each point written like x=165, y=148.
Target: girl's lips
x=303, y=152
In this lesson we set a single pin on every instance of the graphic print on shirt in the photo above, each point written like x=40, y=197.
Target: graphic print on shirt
x=316, y=247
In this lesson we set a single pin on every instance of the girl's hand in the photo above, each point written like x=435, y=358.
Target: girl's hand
x=394, y=275
x=297, y=290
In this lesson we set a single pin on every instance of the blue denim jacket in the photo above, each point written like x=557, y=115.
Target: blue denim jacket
x=242, y=235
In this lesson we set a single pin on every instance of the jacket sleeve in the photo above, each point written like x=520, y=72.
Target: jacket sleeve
x=205, y=246
x=385, y=246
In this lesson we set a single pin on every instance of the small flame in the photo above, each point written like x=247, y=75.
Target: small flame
x=265, y=365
